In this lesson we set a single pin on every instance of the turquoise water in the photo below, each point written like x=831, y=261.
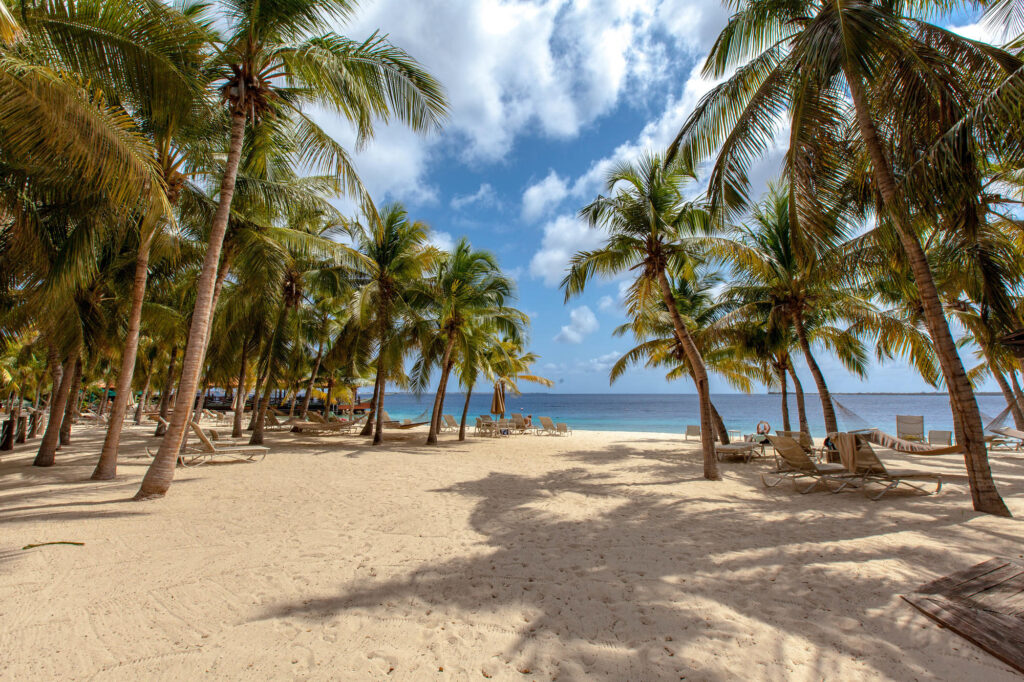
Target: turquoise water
x=671, y=413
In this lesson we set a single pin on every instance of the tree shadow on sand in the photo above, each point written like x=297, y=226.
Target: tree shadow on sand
x=642, y=583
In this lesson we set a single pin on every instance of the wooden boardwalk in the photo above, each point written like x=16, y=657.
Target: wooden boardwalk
x=983, y=604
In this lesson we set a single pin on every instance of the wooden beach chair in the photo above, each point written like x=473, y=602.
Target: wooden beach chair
x=910, y=427
x=448, y=423
x=860, y=459
x=483, y=427
x=795, y=464
x=519, y=423
x=325, y=427
x=692, y=430
x=563, y=429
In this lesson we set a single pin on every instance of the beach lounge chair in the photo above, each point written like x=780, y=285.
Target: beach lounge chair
x=745, y=450
x=547, y=427
x=563, y=429
x=860, y=458
x=940, y=438
x=1014, y=434
x=692, y=430
x=449, y=423
x=271, y=423
x=910, y=427
x=795, y=464
x=804, y=439
x=325, y=427
x=519, y=423
x=206, y=451
x=483, y=427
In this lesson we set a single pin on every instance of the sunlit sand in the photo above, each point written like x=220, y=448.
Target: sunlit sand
x=600, y=555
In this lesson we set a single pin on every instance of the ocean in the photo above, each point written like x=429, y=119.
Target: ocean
x=670, y=413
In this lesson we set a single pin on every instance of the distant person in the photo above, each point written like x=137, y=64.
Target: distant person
x=529, y=420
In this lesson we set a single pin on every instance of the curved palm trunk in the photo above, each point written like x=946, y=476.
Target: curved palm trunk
x=71, y=407
x=161, y=472
x=700, y=378
x=261, y=415
x=984, y=494
x=446, y=368
x=831, y=423
x=144, y=398
x=1016, y=390
x=46, y=455
x=465, y=411
x=720, y=430
x=1011, y=400
x=372, y=417
x=106, y=468
x=197, y=415
x=785, y=397
x=801, y=406
x=103, y=400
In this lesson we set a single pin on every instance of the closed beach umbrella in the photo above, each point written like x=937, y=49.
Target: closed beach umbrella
x=498, y=400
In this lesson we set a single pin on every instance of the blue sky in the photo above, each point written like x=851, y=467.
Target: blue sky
x=546, y=95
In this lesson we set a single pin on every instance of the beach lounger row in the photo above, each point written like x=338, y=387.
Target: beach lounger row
x=860, y=468
x=485, y=426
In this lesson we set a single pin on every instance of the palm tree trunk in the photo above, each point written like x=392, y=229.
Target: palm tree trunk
x=165, y=394
x=700, y=378
x=1011, y=400
x=197, y=415
x=446, y=367
x=144, y=398
x=70, y=407
x=831, y=423
x=312, y=382
x=328, y=398
x=236, y=423
x=372, y=417
x=46, y=455
x=1016, y=390
x=785, y=397
x=261, y=414
x=723, y=433
x=103, y=400
x=378, y=433
x=801, y=406
x=465, y=411
x=984, y=494
x=161, y=472
x=262, y=381
x=106, y=468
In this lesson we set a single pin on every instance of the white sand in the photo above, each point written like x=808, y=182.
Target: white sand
x=600, y=556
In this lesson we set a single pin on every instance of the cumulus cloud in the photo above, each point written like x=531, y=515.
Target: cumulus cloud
x=563, y=236
x=543, y=197
x=485, y=196
x=600, y=364
x=441, y=240
x=607, y=304
x=582, y=323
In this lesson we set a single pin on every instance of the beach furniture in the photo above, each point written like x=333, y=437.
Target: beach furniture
x=1014, y=434
x=194, y=455
x=519, y=423
x=940, y=438
x=796, y=464
x=325, y=427
x=745, y=450
x=692, y=430
x=483, y=427
x=910, y=427
x=272, y=424
x=859, y=458
x=547, y=427
x=804, y=439
x=563, y=429
x=448, y=423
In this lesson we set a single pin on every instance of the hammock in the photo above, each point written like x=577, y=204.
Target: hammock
x=998, y=422
x=886, y=440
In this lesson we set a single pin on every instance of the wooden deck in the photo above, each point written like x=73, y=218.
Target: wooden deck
x=983, y=604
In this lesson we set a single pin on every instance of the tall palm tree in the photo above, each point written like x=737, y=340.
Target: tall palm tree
x=648, y=221
x=274, y=59
x=468, y=286
x=908, y=84
x=398, y=257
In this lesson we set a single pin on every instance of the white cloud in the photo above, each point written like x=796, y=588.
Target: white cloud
x=543, y=197
x=563, y=236
x=441, y=240
x=607, y=304
x=982, y=30
x=485, y=196
x=582, y=323
x=600, y=364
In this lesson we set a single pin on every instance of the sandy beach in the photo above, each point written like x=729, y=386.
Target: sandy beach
x=602, y=555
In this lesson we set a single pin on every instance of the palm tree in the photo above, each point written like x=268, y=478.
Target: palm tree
x=908, y=84
x=647, y=222
x=273, y=60
x=398, y=256
x=468, y=286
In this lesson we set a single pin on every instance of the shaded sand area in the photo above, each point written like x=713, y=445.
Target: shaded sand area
x=598, y=556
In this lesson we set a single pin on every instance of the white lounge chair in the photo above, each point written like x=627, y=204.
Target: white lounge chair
x=940, y=438
x=547, y=427
x=563, y=429
x=910, y=427
x=860, y=459
x=692, y=430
